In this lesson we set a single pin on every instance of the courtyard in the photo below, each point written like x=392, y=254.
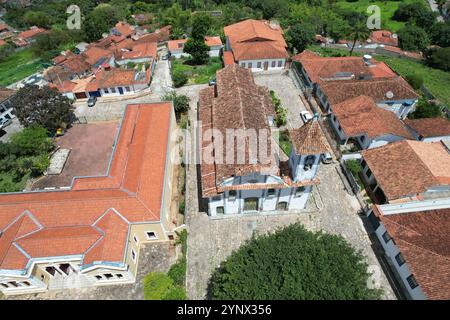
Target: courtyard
x=90, y=147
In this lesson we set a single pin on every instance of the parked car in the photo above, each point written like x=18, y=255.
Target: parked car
x=306, y=116
x=212, y=82
x=326, y=158
x=91, y=101
x=4, y=123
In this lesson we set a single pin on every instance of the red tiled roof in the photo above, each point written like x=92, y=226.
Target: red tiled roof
x=228, y=58
x=142, y=50
x=174, y=45
x=76, y=64
x=256, y=39
x=321, y=69
x=57, y=223
x=430, y=127
x=309, y=139
x=213, y=41
x=384, y=37
x=2, y=42
x=408, y=168
x=423, y=239
x=362, y=115
x=5, y=93
x=112, y=78
x=378, y=89
x=32, y=32
x=124, y=28
x=94, y=54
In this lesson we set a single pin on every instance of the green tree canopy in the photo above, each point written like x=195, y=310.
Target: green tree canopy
x=413, y=38
x=425, y=109
x=439, y=58
x=293, y=263
x=42, y=106
x=299, y=36
x=440, y=34
x=100, y=20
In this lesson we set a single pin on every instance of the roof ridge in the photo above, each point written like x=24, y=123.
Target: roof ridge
x=424, y=249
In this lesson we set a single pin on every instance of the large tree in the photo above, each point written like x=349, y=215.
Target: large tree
x=42, y=106
x=358, y=32
x=299, y=36
x=196, y=45
x=293, y=263
x=413, y=38
x=438, y=58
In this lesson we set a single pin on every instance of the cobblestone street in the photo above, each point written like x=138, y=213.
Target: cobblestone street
x=211, y=241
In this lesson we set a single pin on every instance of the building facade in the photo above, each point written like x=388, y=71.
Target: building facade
x=6, y=111
x=91, y=234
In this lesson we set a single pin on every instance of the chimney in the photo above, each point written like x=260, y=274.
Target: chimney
x=367, y=58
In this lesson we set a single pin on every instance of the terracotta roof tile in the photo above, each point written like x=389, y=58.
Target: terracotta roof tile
x=124, y=29
x=5, y=93
x=256, y=39
x=377, y=89
x=32, y=32
x=423, y=240
x=86, y=217
x=362, y=115
x=228, y=58
x=384, y=37
x=430, y=127
x=309, y=139
x=94, y=55
x=407, y=168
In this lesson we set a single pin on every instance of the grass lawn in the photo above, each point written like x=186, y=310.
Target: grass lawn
x=17, y=66
x=387, y=9
x=285, y=142
x=437, y=81
x=197, y=74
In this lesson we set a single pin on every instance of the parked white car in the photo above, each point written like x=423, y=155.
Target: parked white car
x=306, y=116
x=326, y=158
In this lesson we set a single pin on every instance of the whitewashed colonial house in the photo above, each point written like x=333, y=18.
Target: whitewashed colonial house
x=254, y=186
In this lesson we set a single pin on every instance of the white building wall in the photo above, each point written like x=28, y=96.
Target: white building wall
x=391, y=250
x=214, y=51
x=253, y=64
x=383, y=140
x=5, y=111
x=140, y=60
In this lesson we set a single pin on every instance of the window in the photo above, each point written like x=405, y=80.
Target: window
x=127, y=89
x=412, y=282
x=251, y=204
x=135, y=238
x=309, y=161
x=216, y=198
x=280, y=63
x=340, y=128
x=274, y=63
x=250, y=65
x=363, y=138
x=151, y=235
x=133, y=255
x=106, y=90
x=243, y=64
x=113, y=90
x=180, y=45
x=259, y=64
x=368, y=173
x=374, y=221
x=364, y=163
x=220, y=210
x=108, y=276
x=4, y=285
x=118, y=275
x=232, y=195
x=386, y=237
x=299, y=191
x=271, y=193
x=400, y=259
x=98, y=277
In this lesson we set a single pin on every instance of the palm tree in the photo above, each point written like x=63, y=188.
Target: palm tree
x=359, y=32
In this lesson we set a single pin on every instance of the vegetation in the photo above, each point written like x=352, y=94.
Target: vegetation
x=196, y=46
x=170, y=286
x=355, y=168
x=26, y=155
x=415, y=80
x=18, y=65
x=285, y=142
x=293, y=264
x=426, y=109
x=281, y=113
x=42, y=106
x=438, y=58
x=192, y=74
x=180, y=102
x=299, y=36
x=413, y=38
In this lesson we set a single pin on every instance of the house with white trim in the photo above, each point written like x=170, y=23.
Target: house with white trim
x=176, y=47
x=415, y=240
x=91, y=233
x=240, y=168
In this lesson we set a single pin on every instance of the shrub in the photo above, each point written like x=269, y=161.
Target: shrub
x=177, y=272
x=426, y=109
x=156, y=285
x=439, y=58
x=180, y=102
x=179, y=79
x=412, y=38
x=181, y=207
x=175, y=293
x=415, y=80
